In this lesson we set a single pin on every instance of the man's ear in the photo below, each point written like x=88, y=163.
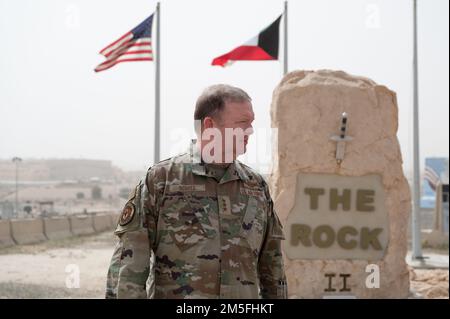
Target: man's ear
x=208, y=122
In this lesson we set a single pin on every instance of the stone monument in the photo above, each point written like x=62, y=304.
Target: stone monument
x=338, y=186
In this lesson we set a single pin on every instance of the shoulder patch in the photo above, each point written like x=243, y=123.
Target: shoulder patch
x=127, y=214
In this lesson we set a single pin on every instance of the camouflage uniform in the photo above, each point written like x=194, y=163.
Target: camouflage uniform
x=187, y=232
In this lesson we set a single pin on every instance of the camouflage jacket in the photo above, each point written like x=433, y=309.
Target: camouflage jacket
x=185, y=234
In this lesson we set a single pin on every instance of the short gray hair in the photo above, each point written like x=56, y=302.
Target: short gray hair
x=214, y=97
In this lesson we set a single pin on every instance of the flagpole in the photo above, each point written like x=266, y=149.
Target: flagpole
x=157, y=86
x=285, y=68
x=416, y=240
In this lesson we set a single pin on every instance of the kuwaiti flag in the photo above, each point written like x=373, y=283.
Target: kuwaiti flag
x=262, y=47
x=135, y=45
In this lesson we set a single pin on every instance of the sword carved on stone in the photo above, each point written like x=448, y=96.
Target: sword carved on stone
x=342, y=138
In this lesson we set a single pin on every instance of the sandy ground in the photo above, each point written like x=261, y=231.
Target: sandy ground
x=46, y=270
x=430, y=284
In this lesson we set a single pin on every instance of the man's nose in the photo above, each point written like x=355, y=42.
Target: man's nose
x=249, y=130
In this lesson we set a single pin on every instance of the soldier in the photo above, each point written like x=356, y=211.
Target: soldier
x=202, y=224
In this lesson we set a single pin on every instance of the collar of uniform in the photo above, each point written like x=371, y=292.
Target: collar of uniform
x=234, y=171
x=197, y=164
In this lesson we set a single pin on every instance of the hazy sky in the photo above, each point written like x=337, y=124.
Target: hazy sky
x=52, y=104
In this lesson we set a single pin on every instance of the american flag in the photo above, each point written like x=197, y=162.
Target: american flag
x=432, y=177
x=135, y=45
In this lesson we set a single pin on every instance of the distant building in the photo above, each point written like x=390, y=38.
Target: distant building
x=69, y=170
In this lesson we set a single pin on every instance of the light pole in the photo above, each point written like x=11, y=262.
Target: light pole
x=416, y=240
x=17, y=160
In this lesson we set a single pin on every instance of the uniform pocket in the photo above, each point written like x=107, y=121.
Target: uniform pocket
x=276, y=231
x=253, y=224
x=186, y=223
